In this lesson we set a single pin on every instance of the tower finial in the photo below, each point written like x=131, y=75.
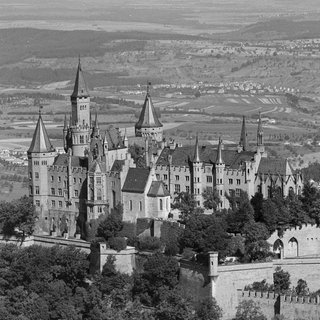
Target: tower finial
x=244, y=136
x=260, y=131
x=148, y=87
x=40, y=108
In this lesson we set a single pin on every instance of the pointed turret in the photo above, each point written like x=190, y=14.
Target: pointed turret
x=196, y=157
x=219, y=159
x=149, y=123
x=125, y=139
x=80, y=88
x=244, y=136
x=40, y=141
x=260, y=132
x=95, y=129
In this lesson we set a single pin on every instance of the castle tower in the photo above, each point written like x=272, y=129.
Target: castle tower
x=219, y=174
x=148, y=124
x=196, y=174
x=41, y=154
x=260, y=144
x=243, y=143
x=80, y=115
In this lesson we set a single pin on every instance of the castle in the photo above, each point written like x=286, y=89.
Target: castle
x=96, y=172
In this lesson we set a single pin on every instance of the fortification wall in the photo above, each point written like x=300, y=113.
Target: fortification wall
x=234, y=277
x=290, y=307
x=306, y=239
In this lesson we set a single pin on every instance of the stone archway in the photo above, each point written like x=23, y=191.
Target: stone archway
x=293, y=248
x=278, y=249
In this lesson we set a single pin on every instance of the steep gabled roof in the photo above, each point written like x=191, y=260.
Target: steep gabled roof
x=136, y=180
x=62, y=160
x=40, y=141
x=275, y=166
x=117, y=165
x=181, y=156
x=148, y=117
x=80, y=88
x=158, y=189
x=113, y=138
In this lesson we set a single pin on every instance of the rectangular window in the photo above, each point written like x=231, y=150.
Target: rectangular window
x=230, y=181
x=59, y=179
x=99, y=194
x=209, y=179
x=36, y=163
x=53, y=203
x=130, y=205
x=112, y=184
x=140, y=205
x=177, y=188
x=231, y=192
x=37, y=203
x=187, y=178
x=60, y=192
x=98, y=179
x=91, y=209
x=36, y=175
x=37, y=190
x=76, y=193
x=74, y=180
x=165, y=177
x=52, y=178
x=53, y=191
x=80, y=180
x=238, y=181
x=177, y=178
x=44, y=163
x=60, y=204
x=187, y=189
x=81, y=139
x=238, y=191
x=100, y=209
x=158, y=176
x=65, y=184
x=30, y=190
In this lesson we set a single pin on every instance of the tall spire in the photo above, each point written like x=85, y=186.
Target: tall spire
x=80, y=88
x=260, y=132
x=219, y=159
x=244, y=135
x=196, y=157
x=95, y=129
x=40, y=141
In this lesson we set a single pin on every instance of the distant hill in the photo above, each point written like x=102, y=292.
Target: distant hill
x=276, y=29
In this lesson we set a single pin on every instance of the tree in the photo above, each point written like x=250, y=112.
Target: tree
x=211, y=199
x=111, y=225
x=242, y=212
x=18, y=218
x=208, y=309
x=302, y=288
x=281, y=280
x=186, y=204
x=204, y=233
x=160, y=273
x=249, y=310
x=256, y=202
x=255, y=231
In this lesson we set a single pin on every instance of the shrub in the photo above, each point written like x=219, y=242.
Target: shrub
x=150, y=243
x=117, y=243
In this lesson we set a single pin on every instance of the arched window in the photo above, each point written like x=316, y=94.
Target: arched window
x=140, y=205
x=161, y=204
x=293, y=248
x=259, y=189
x=278, y=248
x=130, y=205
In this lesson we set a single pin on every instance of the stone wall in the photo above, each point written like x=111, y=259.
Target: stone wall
x=291, y=308
x=298, y=241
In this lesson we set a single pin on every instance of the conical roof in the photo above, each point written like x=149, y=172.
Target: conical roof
x=40, y=141
x=244, y=135
x=196, y=157
x=80, y=88
x=148, y=117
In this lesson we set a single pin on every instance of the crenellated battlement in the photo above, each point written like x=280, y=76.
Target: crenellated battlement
x=283, y=298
